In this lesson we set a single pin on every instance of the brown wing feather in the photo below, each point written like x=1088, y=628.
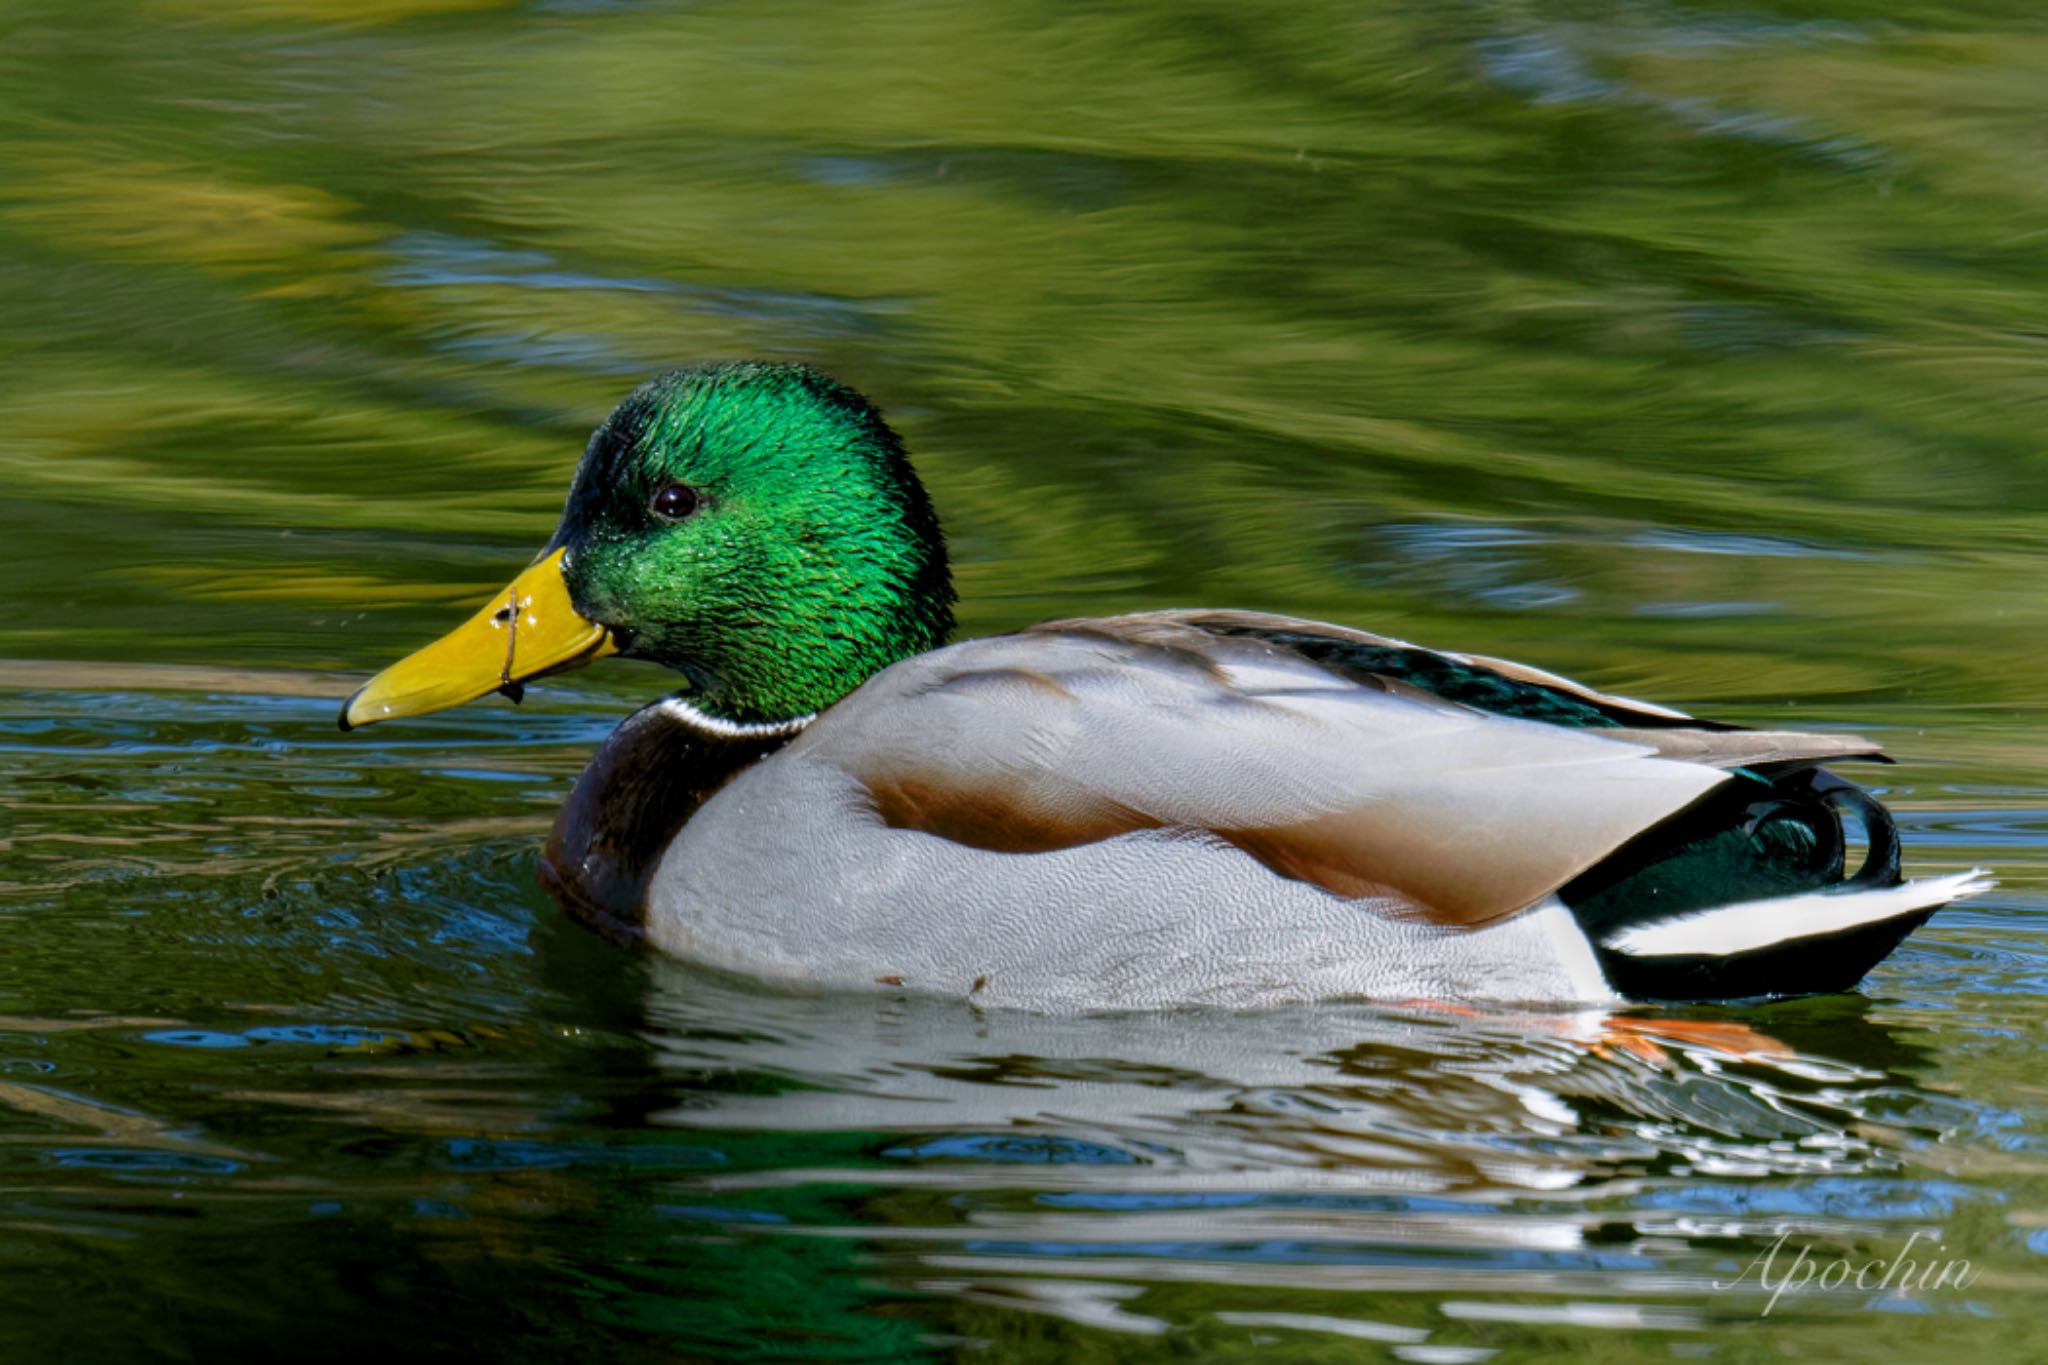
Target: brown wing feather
x=1751, y=748
x=1078, y=733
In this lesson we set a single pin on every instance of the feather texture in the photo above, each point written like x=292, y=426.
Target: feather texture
x=1062, y=737
x=1234, y=808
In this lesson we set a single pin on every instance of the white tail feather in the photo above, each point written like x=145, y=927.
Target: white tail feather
x=1750, y=925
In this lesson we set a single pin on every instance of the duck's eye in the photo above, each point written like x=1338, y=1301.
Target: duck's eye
x=676, y=501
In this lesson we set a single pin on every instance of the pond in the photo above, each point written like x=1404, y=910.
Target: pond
x=1696, y=350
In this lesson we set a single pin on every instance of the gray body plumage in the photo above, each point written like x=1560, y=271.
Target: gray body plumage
x=1138, y=921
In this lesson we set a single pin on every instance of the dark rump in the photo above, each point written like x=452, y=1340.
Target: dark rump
x=1765, y=835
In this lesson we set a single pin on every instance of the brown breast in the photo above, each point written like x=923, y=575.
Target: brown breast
x=641, y=787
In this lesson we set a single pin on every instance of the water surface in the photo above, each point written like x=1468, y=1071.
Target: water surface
x=1698, y=350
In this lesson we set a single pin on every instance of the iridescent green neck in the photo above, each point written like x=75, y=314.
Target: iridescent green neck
x=812, y=559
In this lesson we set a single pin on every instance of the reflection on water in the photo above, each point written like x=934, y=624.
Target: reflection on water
x=1384, y=1155
x=352, y=1060
x=1692, y=349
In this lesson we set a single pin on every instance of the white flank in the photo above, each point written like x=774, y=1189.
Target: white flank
x=1760, y=924
x=1574, y=950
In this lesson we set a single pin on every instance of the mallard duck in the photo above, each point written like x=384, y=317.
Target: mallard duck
x=1169, y=808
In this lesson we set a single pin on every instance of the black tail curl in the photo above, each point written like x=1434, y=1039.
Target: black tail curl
x=1767, y=835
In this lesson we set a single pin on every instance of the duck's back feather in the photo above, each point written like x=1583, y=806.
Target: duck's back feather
x=1075, y=733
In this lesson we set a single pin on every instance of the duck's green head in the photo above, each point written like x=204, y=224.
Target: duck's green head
x=755, y=526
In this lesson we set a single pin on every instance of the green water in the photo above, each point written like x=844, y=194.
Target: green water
x=1698, y=350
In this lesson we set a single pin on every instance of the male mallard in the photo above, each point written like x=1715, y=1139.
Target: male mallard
x=1159, y=809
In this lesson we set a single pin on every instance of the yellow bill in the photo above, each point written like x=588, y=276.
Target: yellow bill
x=527, y=631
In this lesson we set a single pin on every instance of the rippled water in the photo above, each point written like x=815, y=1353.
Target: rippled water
x=1696, y=350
